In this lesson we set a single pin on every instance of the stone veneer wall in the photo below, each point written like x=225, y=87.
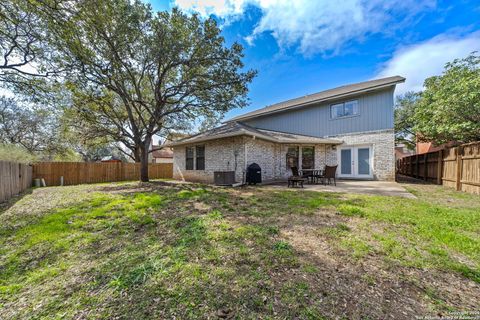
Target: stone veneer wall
x=264, y=154
x=219, y=156
x=383, y=143
x=272, y=157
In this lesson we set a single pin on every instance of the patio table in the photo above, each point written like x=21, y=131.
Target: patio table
x=312, y=175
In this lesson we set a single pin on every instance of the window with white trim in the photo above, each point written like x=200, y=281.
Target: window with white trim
x=345, y=109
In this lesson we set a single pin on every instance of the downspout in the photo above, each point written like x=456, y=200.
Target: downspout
x=245, y=160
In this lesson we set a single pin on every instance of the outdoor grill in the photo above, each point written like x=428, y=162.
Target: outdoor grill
x=254, y=174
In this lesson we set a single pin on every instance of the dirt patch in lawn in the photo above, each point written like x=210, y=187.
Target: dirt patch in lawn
x=370, y=286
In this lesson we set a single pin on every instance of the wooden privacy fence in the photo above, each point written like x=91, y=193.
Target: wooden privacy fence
x=14, y=178
x=93, y=172
x=457, y=167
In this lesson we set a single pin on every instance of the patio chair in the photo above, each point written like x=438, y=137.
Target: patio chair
x=295, y=179
x=329, y=174
x=317, y=175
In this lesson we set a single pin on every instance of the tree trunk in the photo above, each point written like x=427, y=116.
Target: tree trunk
x=144, y=148
x=136, y=155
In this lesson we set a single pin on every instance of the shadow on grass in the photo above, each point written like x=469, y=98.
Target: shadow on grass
x=4, y=206
x=402, y=179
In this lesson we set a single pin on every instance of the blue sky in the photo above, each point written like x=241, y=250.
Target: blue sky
x=301, y=47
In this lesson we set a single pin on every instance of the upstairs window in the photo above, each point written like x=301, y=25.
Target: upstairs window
x=200, y=157
x=345, y=109
x=189, y=158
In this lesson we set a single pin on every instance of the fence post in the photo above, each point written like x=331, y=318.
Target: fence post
x=459, y=152
x=425, y=167
x=410, y=166
x=417, y=164
x=440, y=167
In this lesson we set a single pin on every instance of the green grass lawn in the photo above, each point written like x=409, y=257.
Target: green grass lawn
x=161, y=251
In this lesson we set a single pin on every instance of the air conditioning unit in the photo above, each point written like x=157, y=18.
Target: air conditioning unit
x=224, y=178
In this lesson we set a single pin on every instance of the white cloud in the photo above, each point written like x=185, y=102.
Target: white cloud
x=220, y=8
x=420, y=61
x=319, y=26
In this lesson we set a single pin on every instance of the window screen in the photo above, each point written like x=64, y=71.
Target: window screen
x=351, y=108
x=337, y=110
x=200, y=157
x=189, y=158
x=308, y=157
x=292, y=157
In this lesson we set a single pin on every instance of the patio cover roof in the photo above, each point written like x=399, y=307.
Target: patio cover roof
x=233, y=129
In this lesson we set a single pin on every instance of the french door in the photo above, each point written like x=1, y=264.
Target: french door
x=355, y=162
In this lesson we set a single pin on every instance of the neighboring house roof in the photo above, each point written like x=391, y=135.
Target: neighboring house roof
x=110, y=159
x=162, y=152
x=233, y=129
x=401, y=151
x=426, y=147
x=336, y=93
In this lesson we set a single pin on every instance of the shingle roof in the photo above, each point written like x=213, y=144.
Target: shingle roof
x=232, y=129
x=110, y=158
x=161, y=152
x=330, y=94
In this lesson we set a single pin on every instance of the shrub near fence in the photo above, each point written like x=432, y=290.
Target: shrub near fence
x=14, y=178
x=94, y=172
x=457, y=167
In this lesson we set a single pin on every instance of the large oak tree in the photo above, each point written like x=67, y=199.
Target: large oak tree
x=135, y=73
x=26, y=58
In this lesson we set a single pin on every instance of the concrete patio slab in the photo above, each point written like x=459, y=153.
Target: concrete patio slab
x=382, y=188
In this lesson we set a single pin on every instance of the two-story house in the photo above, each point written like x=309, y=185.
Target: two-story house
x=349, y=126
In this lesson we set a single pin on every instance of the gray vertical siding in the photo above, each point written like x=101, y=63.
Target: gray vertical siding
x=375, y=113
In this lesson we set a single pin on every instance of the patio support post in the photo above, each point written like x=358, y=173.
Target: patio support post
x=300, y=158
